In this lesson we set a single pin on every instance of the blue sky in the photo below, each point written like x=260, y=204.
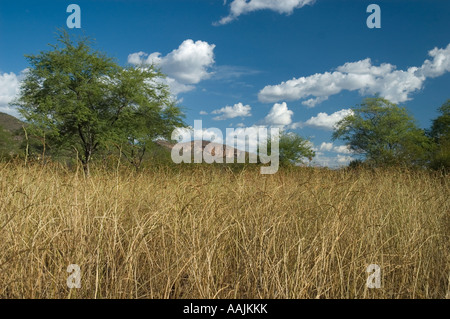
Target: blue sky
x=297, y=64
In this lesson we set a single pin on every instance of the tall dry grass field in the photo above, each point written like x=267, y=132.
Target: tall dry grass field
x=212, y=233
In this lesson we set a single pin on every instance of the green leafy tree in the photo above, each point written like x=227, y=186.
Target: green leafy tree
x=82, y=99
x=293, y=149
x=384, y=133
x=155, y=118
x=440, y=132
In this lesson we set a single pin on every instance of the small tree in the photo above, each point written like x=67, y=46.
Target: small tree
x=293, y=149
x=81, y=98
x=385, y=133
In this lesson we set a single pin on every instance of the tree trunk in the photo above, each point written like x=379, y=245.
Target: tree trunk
x=86, y=169
x=86, y=161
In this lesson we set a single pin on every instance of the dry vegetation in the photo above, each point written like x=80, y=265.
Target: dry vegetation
x=213, y=233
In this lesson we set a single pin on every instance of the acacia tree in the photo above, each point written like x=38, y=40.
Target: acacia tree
x=150, y=114
x=384, y=133
x=293, y=149
x=83, y=99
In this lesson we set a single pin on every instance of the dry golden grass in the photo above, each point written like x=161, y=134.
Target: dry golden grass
x=212, y=233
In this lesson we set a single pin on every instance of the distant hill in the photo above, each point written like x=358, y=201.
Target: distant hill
x=10, y=123
x=208, y=147
x=10, y=135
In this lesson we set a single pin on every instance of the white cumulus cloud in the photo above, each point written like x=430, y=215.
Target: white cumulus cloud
x=187, y=65
x=177, y=87
x=230, y=112
x=9, y=89
x=328, y=122
x=279, y=115
x=331, y=161
x=342, y=149
x=334, y=161
x=326, y=146
x=439, y=64
x=329, y=147
x=394, y=85
x=343, y=160
x=240, y=7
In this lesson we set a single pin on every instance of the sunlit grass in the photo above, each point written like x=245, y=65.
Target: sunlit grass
x=213, y=233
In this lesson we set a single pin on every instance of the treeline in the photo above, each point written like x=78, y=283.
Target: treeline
x=80, y=105
x=379, y=132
